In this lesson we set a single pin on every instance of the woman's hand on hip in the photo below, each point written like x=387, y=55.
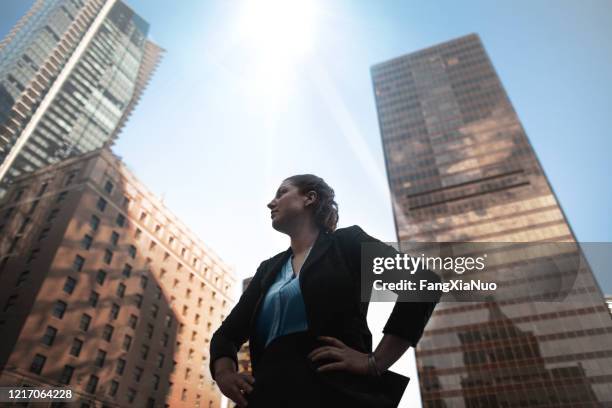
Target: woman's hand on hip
x=339, y=356
x=235, y=385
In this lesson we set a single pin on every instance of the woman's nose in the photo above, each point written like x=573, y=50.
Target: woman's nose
x=270, y=204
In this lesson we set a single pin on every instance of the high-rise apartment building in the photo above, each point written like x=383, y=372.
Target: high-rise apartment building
x=460, y=168
x=71, y=72
x=105, y=291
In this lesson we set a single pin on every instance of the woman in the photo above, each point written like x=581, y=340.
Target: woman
x=302, y=313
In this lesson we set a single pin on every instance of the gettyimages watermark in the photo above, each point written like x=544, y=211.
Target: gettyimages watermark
x=474, y=271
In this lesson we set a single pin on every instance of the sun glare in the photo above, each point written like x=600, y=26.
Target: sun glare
x=279, y=30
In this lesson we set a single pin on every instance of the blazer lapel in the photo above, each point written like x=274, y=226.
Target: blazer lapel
x=319, y=248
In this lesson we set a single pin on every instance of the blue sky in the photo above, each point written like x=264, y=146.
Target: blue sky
x=215, y=137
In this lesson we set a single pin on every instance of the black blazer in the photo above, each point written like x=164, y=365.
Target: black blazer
x=330, y=280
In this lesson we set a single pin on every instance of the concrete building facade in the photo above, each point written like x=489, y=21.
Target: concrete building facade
x=105, y=291
x=461, y=169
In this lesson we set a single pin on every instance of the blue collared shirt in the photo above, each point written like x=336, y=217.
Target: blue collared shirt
x=283, y=310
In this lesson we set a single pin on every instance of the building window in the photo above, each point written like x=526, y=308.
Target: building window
x=160, y=360
x=66, y=375
x=100, y=358
x=120, y=366
x=69, y=178
x=120, y=220
x=85, y=322
x=154, y=310
x=59, y=309
x=168, y=320
x=114, y=238
x=108, y=187
x=126, y=202
x=76, y=347
x=137, y=373
x=155, y=381
x=144, y=352
x=101, y=204
x=127, y=342
x=108, y=256
x=94, y=222
x=61, y=196
x=114, y=311
x=49, y=336
x=143, y=216
x=138, y=299
x=44, y=233
x=79, y=261
x=184, y=394
x=127, y=270
x=121, y=290
x=114, y=386
x=131, y=395
x=23, y=276
x=86, y=242
x=69, y=285
x=33, y=255
x=92, y=384
x=107, y=334
x=24, y=225
x=38, y=363
x=100, y=277
x=133, y=321
x=137, y=233
x=143, y=282
x=43, y=188
x=132, y=251
x=165, y=339
x=93, y=298
x=149, y=330
x=158, y=292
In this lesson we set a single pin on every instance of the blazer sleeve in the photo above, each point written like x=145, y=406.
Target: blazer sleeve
x=408, y=318
x=234, y=330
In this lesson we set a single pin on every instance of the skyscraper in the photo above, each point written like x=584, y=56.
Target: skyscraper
x=71, y=72
x=105, y=291
x=460, y=168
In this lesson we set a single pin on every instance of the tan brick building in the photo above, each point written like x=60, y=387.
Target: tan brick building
x=105, y=291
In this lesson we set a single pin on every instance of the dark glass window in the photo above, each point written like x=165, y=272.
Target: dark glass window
x=114, y=386
x=101, y=204
x=154, y=310
x=92, y=384
x=120, y=366
x=114, y=238
x=131, y=394
x=93, y=298
x=100, y=277
x=121, y=290
x=108, y=187
x=114, y=311
x=107, y=333
x=149, y=330
x=127, y=342
x=132, y=251
x=133, y=321
x=76, y=347
x=143, y=282
x=79, y=261
x=38, y=363
x=66, y=375
x=69, y=285
x=108, y=256
x=120, y=220
x=59, y=309
x=138, y=301
x=127, y=270
x=137, y=373
x=86, y=242
x=100, y=358
x=94, y=222
x=144, y=352
x=49, y=336
x=160, y=360
x=85, y=322
x=61, y=196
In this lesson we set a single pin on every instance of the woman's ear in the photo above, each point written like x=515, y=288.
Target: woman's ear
x=311, y=198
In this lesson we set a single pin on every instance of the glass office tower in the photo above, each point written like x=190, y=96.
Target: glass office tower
x=460, y=168
x=71, y=71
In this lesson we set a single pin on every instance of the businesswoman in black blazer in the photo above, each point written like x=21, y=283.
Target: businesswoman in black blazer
x=302, y=313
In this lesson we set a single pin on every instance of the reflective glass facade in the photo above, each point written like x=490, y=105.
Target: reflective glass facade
x=70, y=73
x=460, y=168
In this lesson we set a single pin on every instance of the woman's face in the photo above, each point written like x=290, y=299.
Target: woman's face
x=287, y=206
